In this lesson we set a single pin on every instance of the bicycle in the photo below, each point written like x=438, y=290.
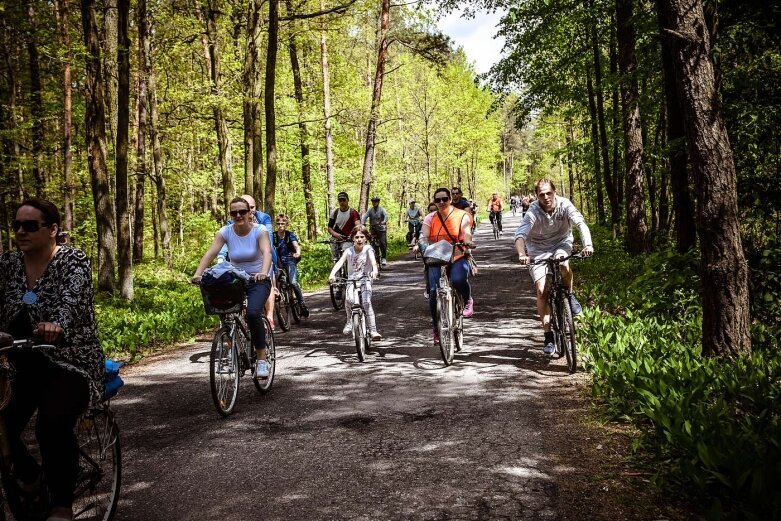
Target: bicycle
x=287, y=307
x=561, y=321
x=374, y=242
x=231, y=354
x=361, y=335
x=450, y=307
x=100, y=460
x=494, y=224
x=337, y=289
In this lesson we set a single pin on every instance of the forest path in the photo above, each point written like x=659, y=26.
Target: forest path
x=498, y=435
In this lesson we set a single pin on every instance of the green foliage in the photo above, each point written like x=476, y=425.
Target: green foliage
x=713, y=425
x=166, y=309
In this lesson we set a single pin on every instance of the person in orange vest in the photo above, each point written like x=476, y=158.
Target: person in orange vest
x=452, y=225
x=495, y=209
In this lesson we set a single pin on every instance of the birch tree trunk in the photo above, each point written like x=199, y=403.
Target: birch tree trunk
x=723, y=270
x=95, y=137
x=110, y=73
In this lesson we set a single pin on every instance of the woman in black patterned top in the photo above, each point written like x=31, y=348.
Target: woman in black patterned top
x=46, y=293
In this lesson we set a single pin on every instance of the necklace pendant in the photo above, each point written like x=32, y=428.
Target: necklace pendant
x=30, y=298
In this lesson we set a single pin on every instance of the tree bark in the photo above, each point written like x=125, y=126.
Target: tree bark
x=62, y=12
x=329, y=141
x=268, y=96
x=592, y=109
x=615, y=124
x=253, y=166
x=724, y=273
x=141, y=103
x=306, y=170
x=95, y=137
x=36, y=103
x=124, y=250
x=374, y=113
x=110, y=74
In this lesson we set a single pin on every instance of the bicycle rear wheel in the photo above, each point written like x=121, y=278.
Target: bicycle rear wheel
x=445, y=325
x=568, y=335
x=224, y=372
x=359, y=334
x=283, y=309
x=458, y=326
x=100, y=467
x=263, y=386
x=295, y=306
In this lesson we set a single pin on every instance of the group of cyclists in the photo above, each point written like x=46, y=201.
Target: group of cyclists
x=46, y=291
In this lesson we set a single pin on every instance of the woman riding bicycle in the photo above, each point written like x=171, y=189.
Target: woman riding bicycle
x=288, y=255
x=361, y=261
x=250, y=250
x=452, y=225
x=46, y=293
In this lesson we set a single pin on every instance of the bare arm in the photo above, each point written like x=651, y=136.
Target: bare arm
x=337, y=267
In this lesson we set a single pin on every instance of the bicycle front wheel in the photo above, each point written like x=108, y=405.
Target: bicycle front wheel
x=359, y=334
x=264, y=385
x=224, y=372
x=100, y=467
x=458, y=325
x=567, y=326
x=295, y=306
x=445, y=325
x=283, y=310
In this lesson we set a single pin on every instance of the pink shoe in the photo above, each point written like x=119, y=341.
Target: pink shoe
x=469, y=309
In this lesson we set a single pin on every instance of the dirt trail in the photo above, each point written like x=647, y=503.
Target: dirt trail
x=498, y=435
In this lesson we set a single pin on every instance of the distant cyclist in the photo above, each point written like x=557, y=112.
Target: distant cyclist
x=546, y=230
x=414, y=218
x=495, y=209
x=378, y=226
x=289, y=253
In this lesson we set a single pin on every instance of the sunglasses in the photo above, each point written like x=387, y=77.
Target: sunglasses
x=28, y=226
x=441, y=199
x=236, y=213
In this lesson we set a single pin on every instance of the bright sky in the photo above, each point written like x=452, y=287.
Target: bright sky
x=476, y=36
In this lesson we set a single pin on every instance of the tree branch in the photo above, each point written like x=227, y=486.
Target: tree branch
x=339, y=9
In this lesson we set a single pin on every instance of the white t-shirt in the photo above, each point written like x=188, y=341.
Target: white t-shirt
x=244, y=250
x=358, y=264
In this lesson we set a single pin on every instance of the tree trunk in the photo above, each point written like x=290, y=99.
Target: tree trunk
x=306, y=170
x=11, y=138
x=62, y=12
x=592, y=109
x=615, y=125
x=141, y=102
x=253, y=169
x=36, y=103
x=220, y=125
x=110, y=74
x=329, y=141
x=664, y=178
x=95, y=137
x=268, y=96
x=374, y=113
x=570, y=172
x=637, y=229
x=124, y=250
x=683, y=205
x=724, y=273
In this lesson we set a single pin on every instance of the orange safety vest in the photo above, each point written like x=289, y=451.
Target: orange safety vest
x=453, y=221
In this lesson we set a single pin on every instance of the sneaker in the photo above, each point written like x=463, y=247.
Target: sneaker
x=261, y=370
x=376, y=335
x=383, y=263
x=304, y=311
x=436, y=336
x=348, y=328
x=425, y=295
x=549, y=348
x=574, y=304
x=501, y=233
x=469, y=309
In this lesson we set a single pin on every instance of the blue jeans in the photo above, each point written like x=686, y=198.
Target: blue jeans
x=459, y=279
x=257, y=294
x=292, y=278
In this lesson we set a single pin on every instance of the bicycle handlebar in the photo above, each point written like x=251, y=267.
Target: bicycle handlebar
x=8, y=343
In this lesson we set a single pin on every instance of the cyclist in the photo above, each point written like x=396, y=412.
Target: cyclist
x=342, y=222
x=250, y=250
x=289, y=253
x=514, y=203
x=546, y=230
x=378, y=225
x=413, y=218
x=459, y=202
x=452, y=225
x=46, y=292
x=525, y=202
x=360, y=261
x=495, y=209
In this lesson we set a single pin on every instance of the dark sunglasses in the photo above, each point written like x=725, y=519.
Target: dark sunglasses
x=441, y=199
x=28, y=226
x=236, y=213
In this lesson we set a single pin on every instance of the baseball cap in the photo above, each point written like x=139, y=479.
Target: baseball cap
x=342, y=195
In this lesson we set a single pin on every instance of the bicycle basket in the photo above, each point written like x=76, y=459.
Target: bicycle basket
x=438, y=254
x=223, y=297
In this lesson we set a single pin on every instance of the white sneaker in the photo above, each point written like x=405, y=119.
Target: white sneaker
x=384, y=263
x=376, y=335
x=261, y=370
x=348, y=328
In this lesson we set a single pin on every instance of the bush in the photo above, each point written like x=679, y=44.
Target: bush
x=713, y=425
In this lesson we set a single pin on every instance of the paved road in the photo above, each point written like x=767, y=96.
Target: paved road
x=396, y=437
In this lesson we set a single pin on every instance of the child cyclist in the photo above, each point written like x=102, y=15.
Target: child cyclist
x=360, y=261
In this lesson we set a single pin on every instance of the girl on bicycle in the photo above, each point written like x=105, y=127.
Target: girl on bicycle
x=361, y=262
x=46, y=293
x=250, y=249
